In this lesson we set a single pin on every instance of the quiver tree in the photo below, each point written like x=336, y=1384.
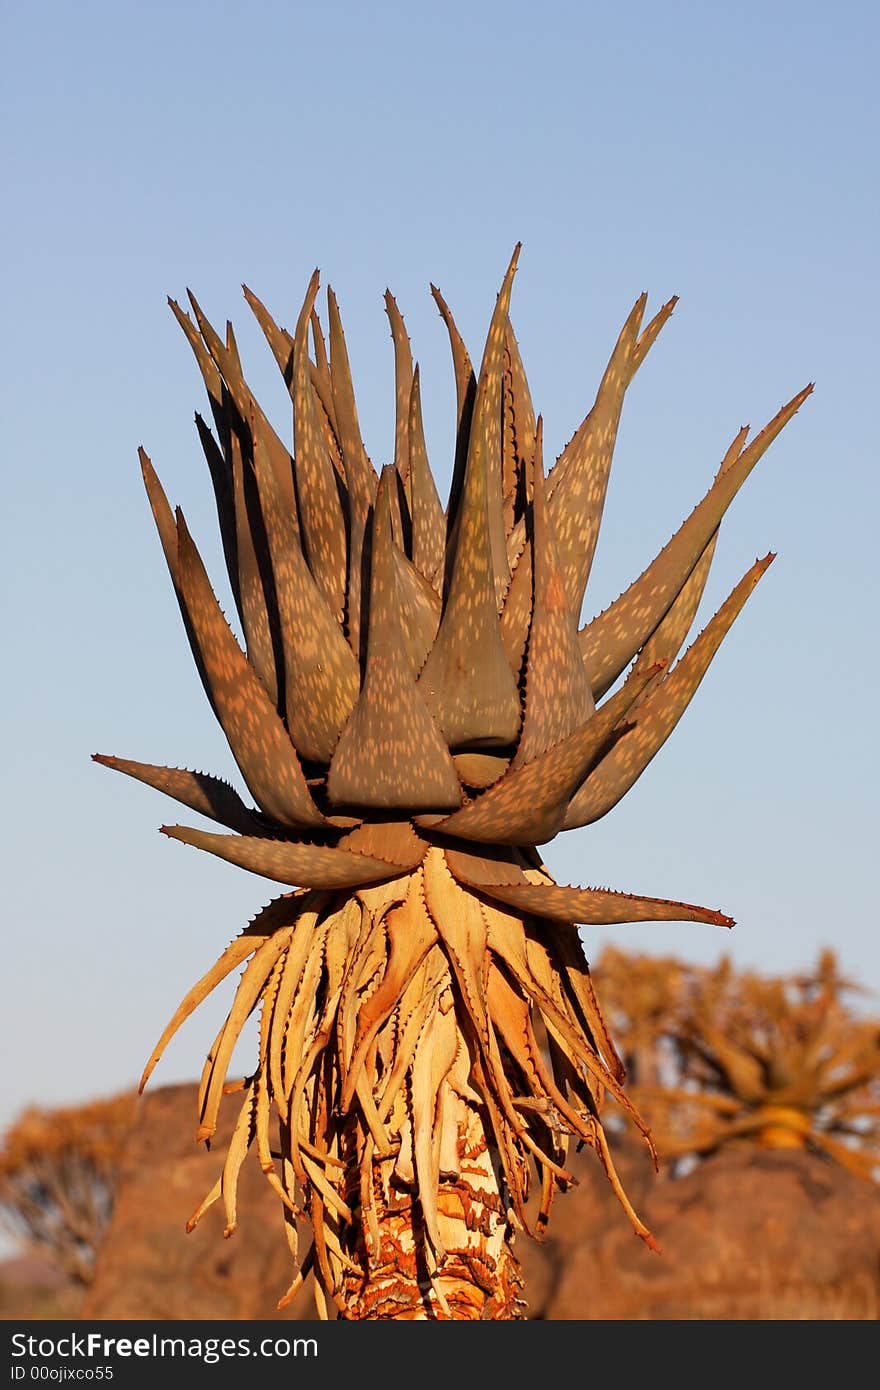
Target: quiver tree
x=780, y=1062
x=58, y=1176
x=413, y=707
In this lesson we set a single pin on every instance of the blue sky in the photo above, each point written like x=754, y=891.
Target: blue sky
x=727, y=155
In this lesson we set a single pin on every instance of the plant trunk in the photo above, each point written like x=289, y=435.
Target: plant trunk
x=474, y=1273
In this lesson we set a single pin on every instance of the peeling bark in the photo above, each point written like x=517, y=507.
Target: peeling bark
x=477, y=1278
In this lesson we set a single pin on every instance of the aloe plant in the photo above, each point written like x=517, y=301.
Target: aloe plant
x=778, y=1062
x=414, y=708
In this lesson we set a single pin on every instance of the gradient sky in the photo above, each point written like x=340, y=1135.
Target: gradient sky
x=724, y=154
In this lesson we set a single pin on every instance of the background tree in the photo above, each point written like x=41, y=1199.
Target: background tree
x=780, y=1062
x=763, y=1099
x=58, y=1177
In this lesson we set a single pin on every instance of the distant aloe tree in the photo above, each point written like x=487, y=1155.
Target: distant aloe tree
x=783, y=1062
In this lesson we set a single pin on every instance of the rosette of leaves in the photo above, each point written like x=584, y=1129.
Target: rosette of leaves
x=780, y=1062
x=414, y=707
